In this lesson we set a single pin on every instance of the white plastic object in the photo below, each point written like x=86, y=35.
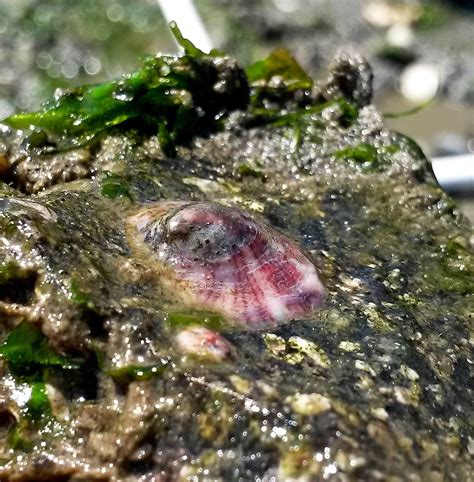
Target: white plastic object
x=455, y=173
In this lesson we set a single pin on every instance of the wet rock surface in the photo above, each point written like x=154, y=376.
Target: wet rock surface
x=376, y=386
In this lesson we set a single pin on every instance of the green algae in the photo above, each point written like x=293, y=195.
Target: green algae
x=165, y=96
x=180, y=319
x=18, y=439
x=127, y=374
x=250, y=170
x=114, y=186
x=27, y=351
x=278, y=74
x=79, y=296
x=368, y=157
x=30, y=359
x=300, y=117
x=38, y=405
x=450, y=279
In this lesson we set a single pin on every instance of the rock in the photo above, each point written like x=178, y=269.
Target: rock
x=377, y=385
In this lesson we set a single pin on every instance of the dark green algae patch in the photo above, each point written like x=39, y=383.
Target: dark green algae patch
x=377, y=386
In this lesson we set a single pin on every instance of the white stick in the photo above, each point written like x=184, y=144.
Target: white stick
x=184, y=13
x=455, y=173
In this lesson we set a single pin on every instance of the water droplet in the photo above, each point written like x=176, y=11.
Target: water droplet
x=123, y=96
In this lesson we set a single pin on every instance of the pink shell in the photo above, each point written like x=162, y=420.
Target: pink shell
x=202, y=342
x=220, y=259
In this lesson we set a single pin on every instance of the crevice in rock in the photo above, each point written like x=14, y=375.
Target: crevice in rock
x=96, y=324
x=19, y=288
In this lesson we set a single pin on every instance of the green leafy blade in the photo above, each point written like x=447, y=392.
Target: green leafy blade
x=282, y=64
x=26, y=350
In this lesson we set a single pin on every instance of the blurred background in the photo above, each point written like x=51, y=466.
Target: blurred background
x=419, y=50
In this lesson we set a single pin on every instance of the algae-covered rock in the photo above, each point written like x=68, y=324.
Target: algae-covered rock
x=377, y=385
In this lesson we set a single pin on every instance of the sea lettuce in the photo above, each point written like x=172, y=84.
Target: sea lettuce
x=171, y=96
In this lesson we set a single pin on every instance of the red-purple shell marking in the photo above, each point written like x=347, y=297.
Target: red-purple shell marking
x=219, y=258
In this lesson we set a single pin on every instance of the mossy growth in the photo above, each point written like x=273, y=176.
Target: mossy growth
x=183, y=319
x=249, y=169
x=79, y=296
x=129, y=373
x=367, y=157
x=27, y=352
x=114, y=186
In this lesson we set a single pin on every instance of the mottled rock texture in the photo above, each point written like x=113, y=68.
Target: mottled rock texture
x=377, y=386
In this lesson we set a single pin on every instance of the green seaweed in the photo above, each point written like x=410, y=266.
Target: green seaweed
x=167, y=95
x=452, y=277
x=77, y=295
x=177, y=98
x=360, y=153
x=188, y=46
x=36, y=424
x=18, y=438
x=278, y=79
x=411, y=111
x=277, y=117
x=367, y=157
x=195, y=317
x=38, y=405
x=454, y=281
x=454, y=247
x=250, y=170
x=349, y=112
x=27, y=351
x=114, y=186
x=279, y=65
x=129, y=373
x=29, y=357
x=298, y=120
